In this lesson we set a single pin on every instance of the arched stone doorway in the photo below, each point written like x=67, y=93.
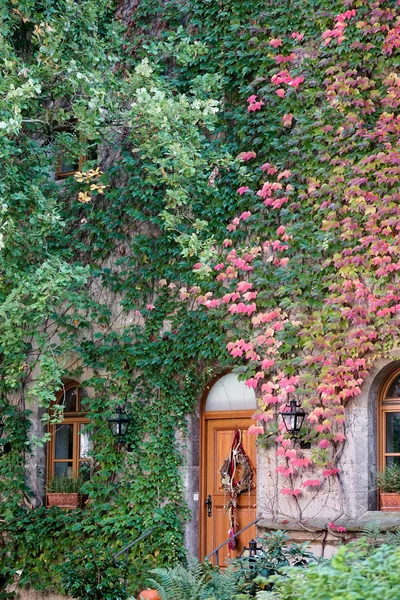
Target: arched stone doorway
x=226, y=416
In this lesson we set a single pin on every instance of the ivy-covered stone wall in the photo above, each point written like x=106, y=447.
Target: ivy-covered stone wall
x=241, y=213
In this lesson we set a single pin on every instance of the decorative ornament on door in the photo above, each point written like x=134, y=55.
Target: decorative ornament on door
x=237, y=458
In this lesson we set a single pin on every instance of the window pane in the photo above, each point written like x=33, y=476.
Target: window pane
x=85, y=442
x=83, y=398
x=64, y=441
x=392, y=460
x=393, y=432
x=228, y=393
x=394, y=390
x=64, y=469
x=68, y=166
x=69, y=400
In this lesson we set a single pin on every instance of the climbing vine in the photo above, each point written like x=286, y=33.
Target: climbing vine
x=83, y=266
x=312, y=288
x=276, y=121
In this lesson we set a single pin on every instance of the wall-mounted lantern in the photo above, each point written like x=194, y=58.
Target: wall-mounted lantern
x=293, y=417
x=119, y=423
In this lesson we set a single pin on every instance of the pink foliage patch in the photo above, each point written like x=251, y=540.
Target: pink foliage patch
x=337, y=528
x=255, y=430
x=255, y=106
x=330, y=472
x=275, y=42
x=243, y=189
x=287, y=120
x=290, y=492
x=302, y=462
x=244, y=156
x=324, y=443
x=311, y=483
x=279, y=59
x=244, y=286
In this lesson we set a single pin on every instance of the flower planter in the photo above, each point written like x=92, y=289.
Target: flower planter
x=64, y=500
x=390, y=502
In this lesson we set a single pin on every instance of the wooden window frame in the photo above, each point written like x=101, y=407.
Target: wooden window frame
x=76, y=419
x=386, y=406
x=60, y=175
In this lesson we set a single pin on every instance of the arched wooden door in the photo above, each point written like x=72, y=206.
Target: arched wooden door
x=228, y=407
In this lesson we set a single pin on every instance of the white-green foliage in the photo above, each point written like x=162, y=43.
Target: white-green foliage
x=62, y=63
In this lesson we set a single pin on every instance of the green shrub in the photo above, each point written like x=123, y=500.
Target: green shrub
x=199, y=581
x=254, y=575
x=354, y=573
x=89, y=574
x=241, y=580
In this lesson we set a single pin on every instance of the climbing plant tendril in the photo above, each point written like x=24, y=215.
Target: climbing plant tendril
x=313, y=286
x=278, y=121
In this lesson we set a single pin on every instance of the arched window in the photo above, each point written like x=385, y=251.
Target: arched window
x=69, y=446
x=389, y=413
x=228, y=393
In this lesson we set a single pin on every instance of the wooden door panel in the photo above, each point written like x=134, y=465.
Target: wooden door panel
x=220, y=533
x=217, y=441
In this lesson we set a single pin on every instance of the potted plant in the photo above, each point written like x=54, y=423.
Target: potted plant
x=389, y=488
x=64, y=491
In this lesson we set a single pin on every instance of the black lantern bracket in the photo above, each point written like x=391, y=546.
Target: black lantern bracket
x=119, y=423
x=293, y=418
x=252, y=552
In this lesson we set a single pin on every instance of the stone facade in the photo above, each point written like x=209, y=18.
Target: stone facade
x=351, y=501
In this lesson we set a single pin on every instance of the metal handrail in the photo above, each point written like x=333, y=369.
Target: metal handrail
x=139, y=539
x=216, y=550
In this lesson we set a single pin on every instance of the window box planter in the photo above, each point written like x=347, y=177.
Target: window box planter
x=64, y=491
x=390, y=502
x=389, y=488
x=63, y=499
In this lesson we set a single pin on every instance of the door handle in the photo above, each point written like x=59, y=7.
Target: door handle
x=208, y=502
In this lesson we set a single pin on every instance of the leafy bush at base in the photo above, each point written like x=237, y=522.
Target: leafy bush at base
x=358, y=571
x=89, y=574
x=352, y=574
x=278, y=553
x=241, y=580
